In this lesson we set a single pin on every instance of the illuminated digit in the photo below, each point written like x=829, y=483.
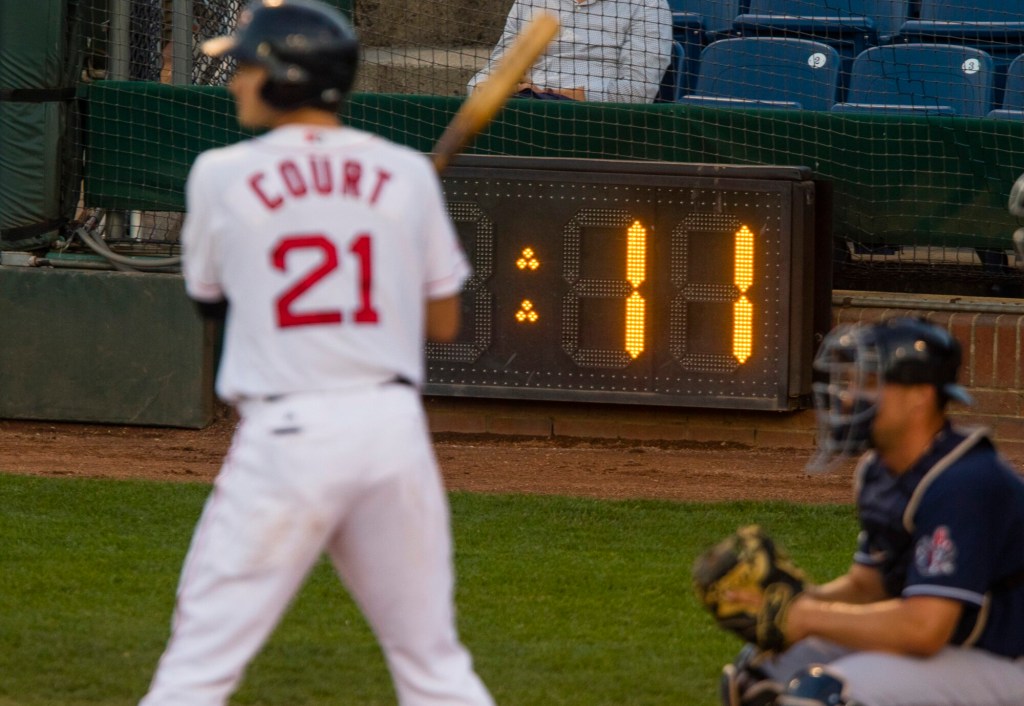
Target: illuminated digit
x=743, y=310
x=478, y=319
x=636, y=273
x=583, y=288
x=706, y=226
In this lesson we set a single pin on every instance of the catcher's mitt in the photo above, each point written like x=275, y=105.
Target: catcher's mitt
x=751, y=564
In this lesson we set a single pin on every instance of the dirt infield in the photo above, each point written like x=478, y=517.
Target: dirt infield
x=489, y=464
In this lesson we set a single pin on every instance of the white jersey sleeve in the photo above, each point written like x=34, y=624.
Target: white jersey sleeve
x=447, y=267
x=200, y=252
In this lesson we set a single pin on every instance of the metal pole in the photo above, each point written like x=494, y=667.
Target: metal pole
x=118, y=44
x=119, y=39
x=181, y=42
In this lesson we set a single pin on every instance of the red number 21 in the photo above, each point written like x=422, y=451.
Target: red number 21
x=361, y=247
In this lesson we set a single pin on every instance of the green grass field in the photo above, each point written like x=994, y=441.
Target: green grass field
x=561, y=600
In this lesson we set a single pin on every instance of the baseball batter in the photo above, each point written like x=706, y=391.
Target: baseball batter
x=334, y=254
x=932, y=610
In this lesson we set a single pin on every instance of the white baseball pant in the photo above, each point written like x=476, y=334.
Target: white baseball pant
x=350, y=473
x=956, y=676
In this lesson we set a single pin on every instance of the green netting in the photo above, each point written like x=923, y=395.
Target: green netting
x=926, y=186
x=903, y=180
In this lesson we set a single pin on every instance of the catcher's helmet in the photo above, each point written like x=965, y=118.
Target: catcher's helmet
x=309, y=50
x=857, y=359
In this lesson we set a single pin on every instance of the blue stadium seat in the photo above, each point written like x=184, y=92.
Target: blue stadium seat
x=972, y=21
x=674, y=83
x=712, y=16
x=932, y=79
x=697, y=23
x=994, y=26
x=849, y=25
x=1013, y=97
x=999, y=11
x=766, y=72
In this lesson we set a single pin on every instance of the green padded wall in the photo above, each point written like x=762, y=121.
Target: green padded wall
x=109, y=347
x=31, y=119
x=898, y=180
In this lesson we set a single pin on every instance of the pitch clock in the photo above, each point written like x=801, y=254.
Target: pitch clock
x=635, y=282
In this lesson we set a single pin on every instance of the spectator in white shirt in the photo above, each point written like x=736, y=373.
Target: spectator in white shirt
x=606, y=50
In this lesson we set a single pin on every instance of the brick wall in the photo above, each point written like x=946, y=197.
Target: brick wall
x=992, y=341
x=989, y=330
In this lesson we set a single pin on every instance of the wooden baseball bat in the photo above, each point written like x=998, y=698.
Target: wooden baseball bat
x=484, y=103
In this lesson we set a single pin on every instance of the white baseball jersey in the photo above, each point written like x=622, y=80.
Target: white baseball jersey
x=290, y=228
x=326, y=242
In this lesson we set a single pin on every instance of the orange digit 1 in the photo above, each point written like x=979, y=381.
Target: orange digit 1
x=636, y=273
x=742, y=309
x=736, y=350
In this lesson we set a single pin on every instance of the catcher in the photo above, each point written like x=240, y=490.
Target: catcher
x=931, y=612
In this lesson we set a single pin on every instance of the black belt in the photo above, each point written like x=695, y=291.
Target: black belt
x=396, y=380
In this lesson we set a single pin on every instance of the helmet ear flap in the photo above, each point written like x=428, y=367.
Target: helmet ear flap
x=918, y=352
x=293, y=82
x=285, y=95
x=285, y=84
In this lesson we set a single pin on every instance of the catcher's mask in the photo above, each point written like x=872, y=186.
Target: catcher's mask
x=857, y=359
x=309, y=49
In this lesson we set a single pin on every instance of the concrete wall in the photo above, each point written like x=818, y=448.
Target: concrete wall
x=429, y=47
x=436, y=23
x=110, y=347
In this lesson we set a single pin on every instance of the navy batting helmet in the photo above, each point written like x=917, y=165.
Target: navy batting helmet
x=309, y=50
x=857, y=359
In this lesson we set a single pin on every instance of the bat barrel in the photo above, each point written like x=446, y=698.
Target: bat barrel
x=484, y=103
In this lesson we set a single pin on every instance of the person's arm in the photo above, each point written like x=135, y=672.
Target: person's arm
x=446, y=265
x=644, y=57
x=576, y=94
x=200, y=254
x=443, y=319
x=513, y=24
x=861, y=584
x=917, y=626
